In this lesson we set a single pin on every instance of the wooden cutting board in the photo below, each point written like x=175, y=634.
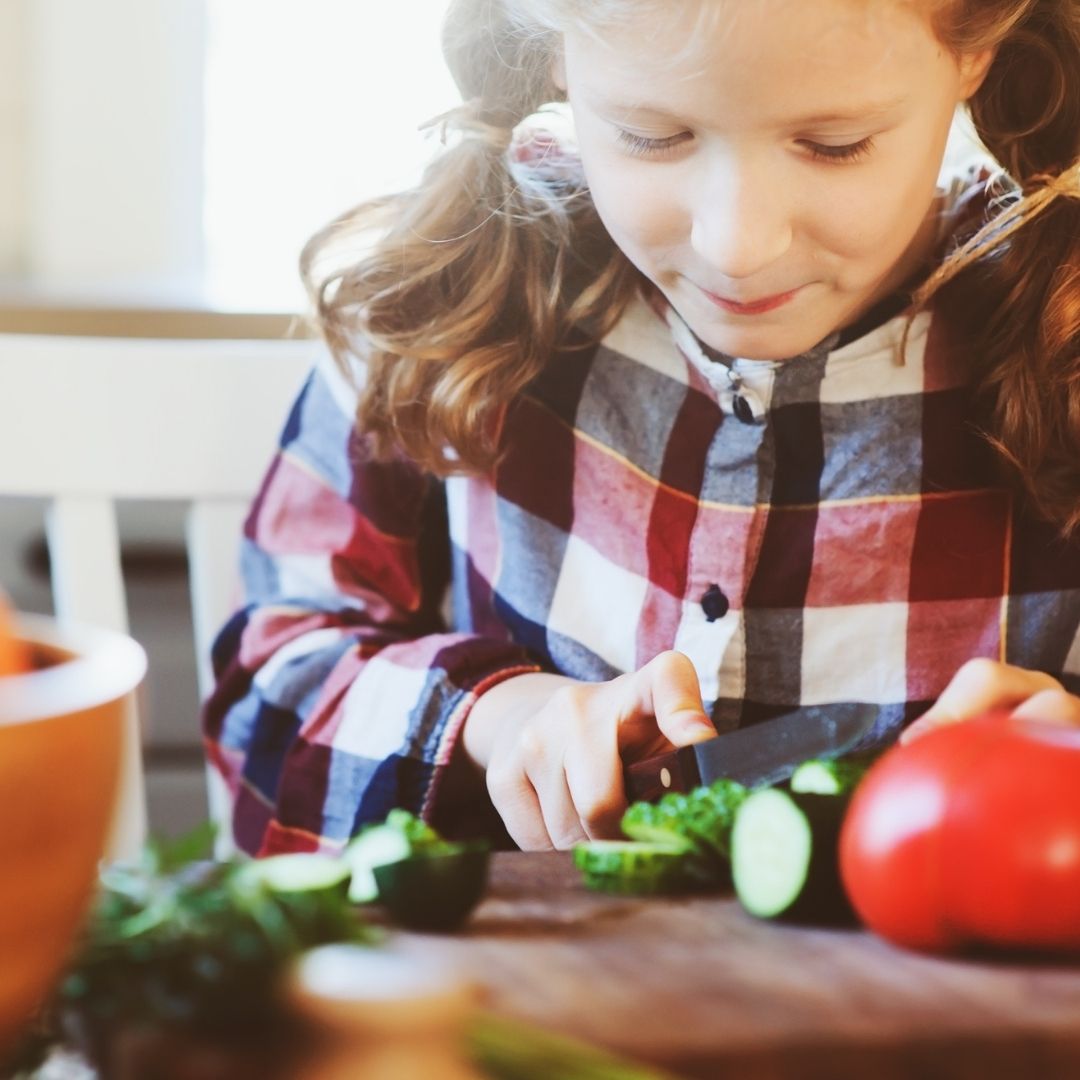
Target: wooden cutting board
x=699, y=987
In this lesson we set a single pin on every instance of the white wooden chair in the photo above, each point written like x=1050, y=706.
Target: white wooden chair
x=86, y=421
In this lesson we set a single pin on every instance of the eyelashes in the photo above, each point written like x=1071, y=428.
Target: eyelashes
x=640, y=146
x=851, y=152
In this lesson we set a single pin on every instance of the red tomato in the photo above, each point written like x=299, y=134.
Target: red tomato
x=970, y=834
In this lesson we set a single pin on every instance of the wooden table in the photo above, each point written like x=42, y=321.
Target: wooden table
x=699, y=987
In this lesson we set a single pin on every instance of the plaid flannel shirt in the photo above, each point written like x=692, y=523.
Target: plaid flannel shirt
x=822, y=529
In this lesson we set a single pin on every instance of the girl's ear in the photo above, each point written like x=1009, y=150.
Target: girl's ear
x=973, y=70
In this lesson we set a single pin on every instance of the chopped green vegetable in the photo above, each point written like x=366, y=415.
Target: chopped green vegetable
x=417, y=831
x=837, y=776
x=784, y=856
x=423, y=881
x=676, y=844
x=436, y=888
x=686, y=840
x=375, y=846
x=634, y=868
x=702, y=819
x=292, y=875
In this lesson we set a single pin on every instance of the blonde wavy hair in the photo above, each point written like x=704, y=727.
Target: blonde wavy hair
x=468, y=282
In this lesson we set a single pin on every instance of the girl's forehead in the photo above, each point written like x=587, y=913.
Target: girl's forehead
x=827, y=45
x=706, y=25
x=609, y=13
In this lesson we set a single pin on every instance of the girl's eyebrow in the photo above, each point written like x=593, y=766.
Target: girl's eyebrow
x=870, y=110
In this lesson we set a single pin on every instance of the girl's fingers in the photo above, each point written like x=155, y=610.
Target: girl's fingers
x=594, y=778
x=564, y=827
x=667, y=689
x=518, y=804
x=542, y=757
x=561, y=782
x=1051, y=707
x=980, y=686
x=549, y=767
x=529, y=789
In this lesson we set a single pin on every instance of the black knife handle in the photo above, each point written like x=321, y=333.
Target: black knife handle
x=675, y=770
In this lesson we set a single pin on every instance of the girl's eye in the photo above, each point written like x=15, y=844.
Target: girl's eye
x=851, y=152
x=643, y=147
x=646, y=147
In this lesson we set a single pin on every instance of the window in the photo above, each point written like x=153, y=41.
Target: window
x=311, y=106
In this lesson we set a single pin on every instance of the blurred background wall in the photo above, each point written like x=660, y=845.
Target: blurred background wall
x=14, y=124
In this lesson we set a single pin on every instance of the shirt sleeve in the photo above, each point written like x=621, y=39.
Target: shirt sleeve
x=340, y=693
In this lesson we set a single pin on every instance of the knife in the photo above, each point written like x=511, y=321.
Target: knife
x=757, y=755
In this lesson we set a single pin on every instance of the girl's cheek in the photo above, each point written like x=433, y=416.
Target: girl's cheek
x=859, y=220
x=641, y=206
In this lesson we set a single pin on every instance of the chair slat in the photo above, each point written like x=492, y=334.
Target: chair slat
x=88, y=587
x=84, y=556
x=213, y=544
x=213, y=536
x=139, y=419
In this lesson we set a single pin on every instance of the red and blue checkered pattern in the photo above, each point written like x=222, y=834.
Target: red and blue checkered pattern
x=849, y=530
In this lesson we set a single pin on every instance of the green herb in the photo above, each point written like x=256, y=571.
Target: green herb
x=175, y=945
x=195, y=945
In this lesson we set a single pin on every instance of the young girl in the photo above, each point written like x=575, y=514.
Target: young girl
x=719, y=407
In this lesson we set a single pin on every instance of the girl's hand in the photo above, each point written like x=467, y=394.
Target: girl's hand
x=981, y=685
x=553, y=748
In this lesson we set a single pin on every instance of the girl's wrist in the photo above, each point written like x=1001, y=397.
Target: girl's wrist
x=506, y=705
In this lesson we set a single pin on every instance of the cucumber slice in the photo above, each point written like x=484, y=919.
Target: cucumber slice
x=651, y=823
x=633, y=868
x=296, y=874
x=435, y=889
x=375, y=846
x=827, y=777
x=417, y=831
x=784, y=857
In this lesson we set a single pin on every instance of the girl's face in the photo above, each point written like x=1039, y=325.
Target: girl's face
x=769, y=164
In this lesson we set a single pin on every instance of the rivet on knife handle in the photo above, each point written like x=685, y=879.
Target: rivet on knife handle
x=649, y=779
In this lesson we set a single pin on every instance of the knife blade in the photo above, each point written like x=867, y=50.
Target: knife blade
x=757, y=755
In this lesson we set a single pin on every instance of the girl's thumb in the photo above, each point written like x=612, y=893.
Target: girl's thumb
x=676, y=699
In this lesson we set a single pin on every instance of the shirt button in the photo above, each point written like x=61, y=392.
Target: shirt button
x=741, y=407
x=714, y=603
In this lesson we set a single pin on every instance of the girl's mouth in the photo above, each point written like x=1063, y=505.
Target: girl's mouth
x=752, y=307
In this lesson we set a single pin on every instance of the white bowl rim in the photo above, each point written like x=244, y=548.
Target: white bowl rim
x=107, y=666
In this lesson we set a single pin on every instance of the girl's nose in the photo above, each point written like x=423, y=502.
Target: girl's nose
x=741, y=224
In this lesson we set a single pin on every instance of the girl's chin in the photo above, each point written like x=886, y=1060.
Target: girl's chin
x=773, y=335
x=759, y=343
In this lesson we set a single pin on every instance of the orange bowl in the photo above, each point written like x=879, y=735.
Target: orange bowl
x=60, y=736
